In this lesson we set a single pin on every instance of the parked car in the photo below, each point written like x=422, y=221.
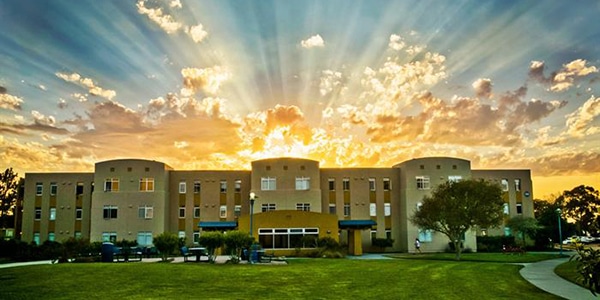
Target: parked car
x=579, y=239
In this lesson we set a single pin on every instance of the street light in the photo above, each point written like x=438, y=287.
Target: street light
x=559, y=231
x=252, y=198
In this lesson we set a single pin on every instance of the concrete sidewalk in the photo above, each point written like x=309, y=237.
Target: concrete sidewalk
x=541, y=274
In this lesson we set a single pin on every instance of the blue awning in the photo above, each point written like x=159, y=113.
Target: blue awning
x=219, y=225
x=354, y=224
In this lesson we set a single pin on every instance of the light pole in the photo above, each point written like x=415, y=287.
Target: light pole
x=252, y=198
x=558, y=212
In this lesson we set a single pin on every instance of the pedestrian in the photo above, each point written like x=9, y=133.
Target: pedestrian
x=417, y=245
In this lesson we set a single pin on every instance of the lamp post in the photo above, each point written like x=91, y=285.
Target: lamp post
x=252, y=198
x=558, y=212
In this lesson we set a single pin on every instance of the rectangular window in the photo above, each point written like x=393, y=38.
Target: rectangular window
x=111, y=185
x=302, y=183
x=223, y=186
x=268, y=207
x=454, y=178
x=371, y=184
x=196, y=212
x=519, y=208
x=53, y=188
x=196, y=238
x=387, y=209
x=425, y=235
x=36, y=238
x=423, y=182
x=332, y=209
x=182, y=212
x=144, y=238
x=506, y=209
x=268, y=184
x=331, y=184
x=38, y=213
x=517, y=185
x=110, y=211
x=223, y=211
x=52, y=213
x=346, y=184
x=387, y=185
x=287, y=238
x=77, y=235
x=504, y=184
x=79, y=189
x=109, y=237
x=181, y=234
x=373, y=209
x=182, y=187
x=78, y=214
x=303, y=206
x=145, y=212
x=346, y=209
x=237, y=211
x=197, y=187
x=146, y=184
x=39, y=188
x=51, y=236
x=237, y=185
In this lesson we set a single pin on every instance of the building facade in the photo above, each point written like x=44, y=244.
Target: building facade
x=135, y=199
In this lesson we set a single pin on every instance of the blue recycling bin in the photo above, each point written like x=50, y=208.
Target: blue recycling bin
x=108, y=252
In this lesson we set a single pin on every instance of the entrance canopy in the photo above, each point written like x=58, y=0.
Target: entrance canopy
x=356, y=224
x=217, y=225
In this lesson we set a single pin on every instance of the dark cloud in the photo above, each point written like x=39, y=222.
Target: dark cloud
x=2, y=90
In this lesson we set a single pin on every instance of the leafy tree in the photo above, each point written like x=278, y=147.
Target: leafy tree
x=547, y=217
x=212, y=240
x=523, y=227
x=235, y=241
x=9, y=182
x=582, y=205
x=455, y=207
x=166, y=243
x=589, y=267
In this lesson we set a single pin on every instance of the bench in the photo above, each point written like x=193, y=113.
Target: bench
x=513, y=250
x=130, y=254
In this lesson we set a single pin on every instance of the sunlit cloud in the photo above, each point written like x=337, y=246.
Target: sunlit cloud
x=396, y=42
x=579, y=123
x=312, y=42
x=483, y=87
x=10, y=102
x=165, y=21
x=208, y=80
x=88, y=83
x=563, y=79
x=197, y=33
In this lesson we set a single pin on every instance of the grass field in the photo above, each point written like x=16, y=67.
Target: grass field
x=301, y=279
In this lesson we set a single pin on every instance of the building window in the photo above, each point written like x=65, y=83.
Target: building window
x=223, y=186
x=506, y=209
x=425, y=235
x=146, y=212
x=51, y=236
x=36, y=238
x=182, y=187
x=77, y=235
x=146, y=184
x=53, y=188
x=286, y=238
x=52, y=213
x=39, y=188
x=303, y=206
x=223, y=211
x=38, y=213
x=268, y=168
x=111, y=185
x=237, y=185
x=237, y=211
x=109, y=237
x=373, y=209
x=423, y=183
x=387, y=185
x=181, y=234
x=79, y=189
x=78, y=214
x=182, y=212
x=504, y=183
x=438, y=167
x=196, y=212
x=302, y=183
x=197, y=187
x=507, y=231
x=110, y=211
x=332, y=209
x=517, y=185
x=519, y=208
x=268, y=183
x=147, y=169
x=454, y=178
x=371, y=184
x=346, y=209
x=422, y=167
x=144, y=238
x=268, y=207
x=387, y=209
x=112, y=169
x=285, y=168
x=331, y=184
x=346, y=184
x=196, y=237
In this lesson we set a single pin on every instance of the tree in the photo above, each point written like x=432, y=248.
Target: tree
x=455, y=207
x=547, y=218
x=166, y=243
x=9, y=182
x=212, y=240
x=588, y=267
x=582, y=205
x=235, y=241
x=523, y=227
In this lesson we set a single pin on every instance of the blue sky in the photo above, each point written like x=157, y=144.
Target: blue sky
x=217, y=84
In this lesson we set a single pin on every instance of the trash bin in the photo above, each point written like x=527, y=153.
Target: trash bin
x=254, y=253
x=107, y=252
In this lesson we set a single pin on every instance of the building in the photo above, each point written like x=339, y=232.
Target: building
x=137, y=199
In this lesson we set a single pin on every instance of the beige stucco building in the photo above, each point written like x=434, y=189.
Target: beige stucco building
x=137, y=199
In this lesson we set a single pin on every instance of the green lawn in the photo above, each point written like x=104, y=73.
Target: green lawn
x=301, y=279
x=569, y=272
x=481, y=257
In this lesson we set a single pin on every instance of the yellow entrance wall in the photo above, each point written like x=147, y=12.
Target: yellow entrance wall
x=326, y=223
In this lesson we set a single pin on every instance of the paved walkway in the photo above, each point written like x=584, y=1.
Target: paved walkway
x=541, y=274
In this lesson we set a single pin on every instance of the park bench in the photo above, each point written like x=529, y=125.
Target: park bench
x=513, y=250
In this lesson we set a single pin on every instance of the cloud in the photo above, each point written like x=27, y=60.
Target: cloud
x=312, y=42
x=10, y=102
x=563, y=79
x=197, y=33
x=396, y=42
x=88, y=83
x=2, y=90
x=175, y=4
x=579, y=122
x=208, y=80
x=483, y=88
x=330, y=81
x=157, y=16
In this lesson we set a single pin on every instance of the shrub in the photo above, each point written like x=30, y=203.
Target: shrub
x=166, y=243
x=212, y=240
x=234, y=242
x=494, y=243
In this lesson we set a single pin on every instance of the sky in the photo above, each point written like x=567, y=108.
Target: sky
x=218, y=84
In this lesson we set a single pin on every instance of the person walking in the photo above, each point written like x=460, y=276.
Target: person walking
x=417, y=245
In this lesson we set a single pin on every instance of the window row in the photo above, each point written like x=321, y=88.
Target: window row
x=504, y=184
x=39, y=188
x=387, y=209
x=287, y=238
x=197, y=187
x=387, y=184
x=424, y=182
x=52, y=236
x=144, y=238
x=37, y=215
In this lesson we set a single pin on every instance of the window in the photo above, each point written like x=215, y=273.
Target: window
x=38, y=213
x=129, y=169
x=373, y=209
x=346, y=209
x=423, y=183
x=182, y=212
x=78, y=214
x=332, y=209
x=51, y=236
x=237, y=211
x=287, y=238
x=268, y=207
x=517, y=185
x=144, y=238
x=331, y=184
x=507, y=231
x=387, y=185
x=303, y=206
x=146, y=212
x=438, y=167
x=53, y=188
x=39, y=188
x=77, y=234
x=111, y=185
x=223, y=211
x=371, y=184
x=505, y=209
x=196, y=212
x=110, y=211
x=285, y=168
x=425, y=235
x=504, y=184
x=79, y=189
x=146, y=184
x=387, y=209
x=268, y=183
x=454, y=178
x=454, y=167
x=223, y=186
x=237, y=185
x=112, y=169
x=109, y=237
x=52, y=213
x=302, y=183
x=197, y=187
x=182, y=187
x=181, y=234
x=196, y=237
x=36, y=238
x=346, y=184
x=519, y=208
x=422, y=167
